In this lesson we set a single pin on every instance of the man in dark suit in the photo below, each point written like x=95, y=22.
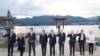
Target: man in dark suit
x=11, y=40
x=43, y=41
x=52, y=42
x=81, y=40
x=72, y=41
x=32, y=37
x=62, y=37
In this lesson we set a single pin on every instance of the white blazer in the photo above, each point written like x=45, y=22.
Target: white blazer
x=91, y=38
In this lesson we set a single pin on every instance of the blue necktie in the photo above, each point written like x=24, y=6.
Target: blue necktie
x=11, y=34
x=72, y=36
x=52, y=35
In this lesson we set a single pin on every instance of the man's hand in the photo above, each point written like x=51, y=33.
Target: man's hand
x=4, y=34
x=63, y=42
x=77, y=32
x=68, y=33
x=31, y=41
x=23, y=45
x=87, y=38
x=24, y=35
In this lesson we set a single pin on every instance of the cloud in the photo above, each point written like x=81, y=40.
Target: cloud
x=84, y=8
x=21, y=7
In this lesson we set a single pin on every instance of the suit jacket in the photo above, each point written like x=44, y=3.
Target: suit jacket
x=43, y=39
x=31, y=37
x=72, y=38
x=11, y=39
x=62, y=37
x=52, y=39
x=21, y=41
x=79, y=39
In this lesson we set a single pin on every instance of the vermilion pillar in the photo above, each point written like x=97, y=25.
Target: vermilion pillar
x=59, y=20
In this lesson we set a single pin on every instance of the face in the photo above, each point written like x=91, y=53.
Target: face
x=82, y=31
x=52, y=31
x=90, y=32
x=11, y=30
x=43, y=31
x=61, y=30
x=72, y=32
x=31, y=30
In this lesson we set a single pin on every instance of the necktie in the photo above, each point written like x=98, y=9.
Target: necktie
x=72, y=35
x=52, y=35
x=42, y=34
x=62, y=34
x=11, y=34
x=31, y=33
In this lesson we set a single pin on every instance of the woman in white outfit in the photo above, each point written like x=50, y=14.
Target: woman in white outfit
x=91, y=41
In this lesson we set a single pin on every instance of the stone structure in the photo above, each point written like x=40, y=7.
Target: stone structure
x=8, y=19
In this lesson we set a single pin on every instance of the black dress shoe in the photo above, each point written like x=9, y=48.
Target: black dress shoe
x=53, y=54
x=59, y=54
x=74, y=55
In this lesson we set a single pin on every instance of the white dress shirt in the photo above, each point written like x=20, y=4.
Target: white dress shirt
x=82, y=36
x=52, y=35
x=91, y=38
x=31, y=33
x=11, y=34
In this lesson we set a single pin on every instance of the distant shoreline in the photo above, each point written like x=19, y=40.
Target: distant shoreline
x=47, y=25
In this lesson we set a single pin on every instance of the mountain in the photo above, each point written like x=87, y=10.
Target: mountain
x=93, y=18
x=49, y=20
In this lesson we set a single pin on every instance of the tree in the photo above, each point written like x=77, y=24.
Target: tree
x=1, y=20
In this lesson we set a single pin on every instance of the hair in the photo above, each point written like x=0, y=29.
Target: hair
x=20, y=34
x=82, y=30
x=43, y=30
x=52, y=30
x=31, y=28
x=91, y=31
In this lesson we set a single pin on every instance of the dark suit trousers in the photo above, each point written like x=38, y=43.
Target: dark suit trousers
x=52, y=49
x=72, y=48
x=82, y=48
x=33, y=46
x=61, y=48
x=91, y=46
x=21, y=49
x=10, y=49
x=43, y=47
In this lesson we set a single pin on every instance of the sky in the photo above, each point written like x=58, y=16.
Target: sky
x=30, y=8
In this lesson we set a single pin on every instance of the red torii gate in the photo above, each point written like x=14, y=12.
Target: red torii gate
x=57, y=20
